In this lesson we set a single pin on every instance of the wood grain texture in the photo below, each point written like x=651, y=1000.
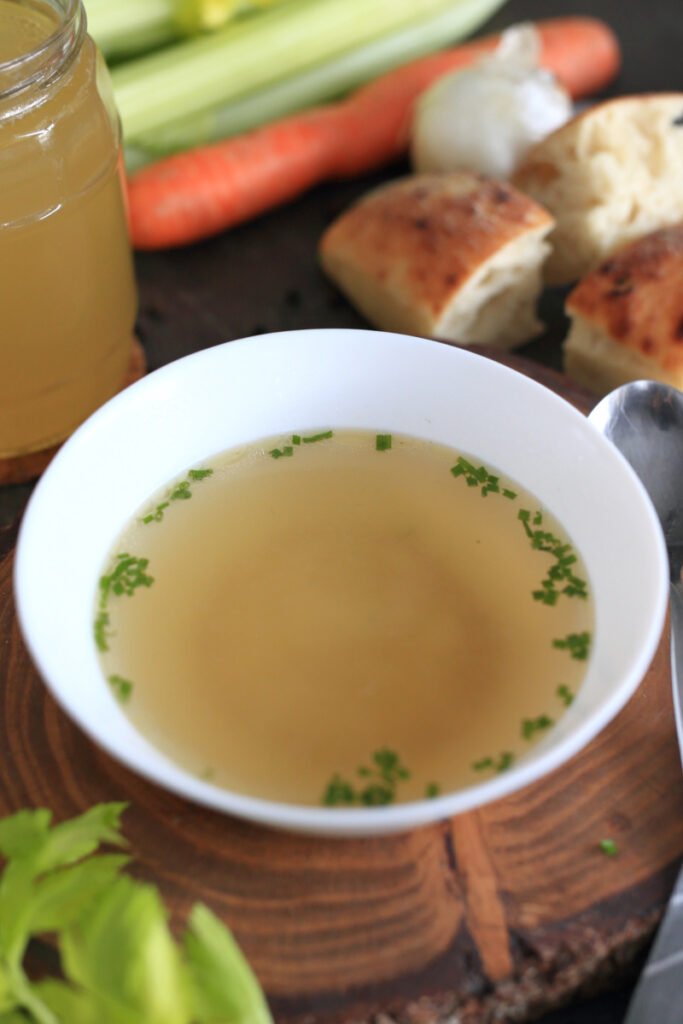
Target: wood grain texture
x=495, y=915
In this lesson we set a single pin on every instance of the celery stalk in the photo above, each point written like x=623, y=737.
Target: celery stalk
x=319, y=84
x=123, y=27
x=193, y=16
x=185, y=79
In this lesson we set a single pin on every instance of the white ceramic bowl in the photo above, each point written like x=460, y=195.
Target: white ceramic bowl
x=269, y=385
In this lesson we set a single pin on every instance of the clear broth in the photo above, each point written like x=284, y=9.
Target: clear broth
x=310, y=610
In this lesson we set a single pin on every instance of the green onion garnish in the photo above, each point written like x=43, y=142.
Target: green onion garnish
x=578, y=645
x=565, y=694
x=531, y=726
x=123, y=688
x=312, y=438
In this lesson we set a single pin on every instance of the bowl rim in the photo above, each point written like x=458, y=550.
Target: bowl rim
x=304, y=818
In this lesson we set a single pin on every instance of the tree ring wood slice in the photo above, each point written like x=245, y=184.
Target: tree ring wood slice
x=23, y=468
x=498, y=914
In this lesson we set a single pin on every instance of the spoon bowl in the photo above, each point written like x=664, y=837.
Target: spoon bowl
x=644, y=420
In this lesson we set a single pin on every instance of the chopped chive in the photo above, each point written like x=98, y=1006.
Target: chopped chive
x=383, y=442
x=565, y=694
x=531, y=726
x=296, y=438
x=128, y=574
x=609, y=847
x=432, y=790
x=101, y=631
x=126, y=577
x=479, y=476
x=545, y=596
x=338, y=792
x=123, y=688
x=157, y=515
x=560, y=570
x=179, y=492
x=578, y=645
x=499, y=764
x=312, y=438
x=376, y=795
x=377, y=785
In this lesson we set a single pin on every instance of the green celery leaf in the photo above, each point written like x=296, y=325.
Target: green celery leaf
x=224, y=989
x=16, y=896
x=67, y=1003
x=33, y=850
x=14, y=1017
x=7, y=1000
x=61, y=897
x=76, y=1006
x=72, y=840
x=24, y=833
x=122, y=950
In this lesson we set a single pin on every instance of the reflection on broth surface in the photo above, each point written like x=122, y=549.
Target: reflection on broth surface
x=294, y=611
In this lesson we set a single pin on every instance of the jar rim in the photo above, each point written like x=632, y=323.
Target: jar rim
x=45, y=59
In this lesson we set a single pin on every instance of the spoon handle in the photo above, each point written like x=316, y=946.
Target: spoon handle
x=676, y=606
x=657, y=997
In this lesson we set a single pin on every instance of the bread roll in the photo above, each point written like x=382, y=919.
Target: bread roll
x=627, y=316
x=452, y=256
x=612, y=174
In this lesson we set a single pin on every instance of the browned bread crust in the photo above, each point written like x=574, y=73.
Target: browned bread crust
x=632, y=307
x=405, y=253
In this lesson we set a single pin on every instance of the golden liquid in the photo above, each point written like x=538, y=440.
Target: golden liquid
x=310, y=610
x=67, y=293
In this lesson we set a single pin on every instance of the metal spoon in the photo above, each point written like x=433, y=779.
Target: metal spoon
x=644, y=420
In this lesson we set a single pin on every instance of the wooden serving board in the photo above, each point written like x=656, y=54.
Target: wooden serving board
x=498, y=914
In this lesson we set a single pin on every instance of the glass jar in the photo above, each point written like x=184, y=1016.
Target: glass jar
x=67, y=291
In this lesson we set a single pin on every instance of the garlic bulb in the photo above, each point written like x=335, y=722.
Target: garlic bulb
x=485, y=117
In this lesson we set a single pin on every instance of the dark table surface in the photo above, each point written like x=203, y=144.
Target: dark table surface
x=264, y=276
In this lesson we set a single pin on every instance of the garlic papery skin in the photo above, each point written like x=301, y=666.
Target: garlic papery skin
x=486, y=117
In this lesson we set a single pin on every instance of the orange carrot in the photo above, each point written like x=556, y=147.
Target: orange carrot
x=202, y=192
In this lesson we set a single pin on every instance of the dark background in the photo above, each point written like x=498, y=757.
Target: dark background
x=264, y=276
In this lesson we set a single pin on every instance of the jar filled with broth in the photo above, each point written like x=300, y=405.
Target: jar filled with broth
x=67, y=292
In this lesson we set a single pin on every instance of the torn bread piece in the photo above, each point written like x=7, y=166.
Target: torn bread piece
x=451, y=256
x=612, y=174
x=627, y=316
